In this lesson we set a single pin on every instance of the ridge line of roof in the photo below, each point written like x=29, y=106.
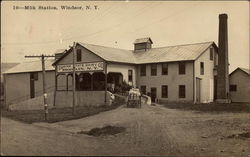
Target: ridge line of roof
x=104, y=46
x=242, y=69
x=184, y=44
x=151, y=48
x=245, y=70
x=36, y=61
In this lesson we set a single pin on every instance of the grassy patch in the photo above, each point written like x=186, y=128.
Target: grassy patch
x=56, y=114
x=212, y=107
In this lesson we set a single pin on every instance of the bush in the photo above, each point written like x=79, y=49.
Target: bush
x=123, y=88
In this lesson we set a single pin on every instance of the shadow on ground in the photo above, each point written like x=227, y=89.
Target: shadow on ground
x=107, y=130
x=212, y=107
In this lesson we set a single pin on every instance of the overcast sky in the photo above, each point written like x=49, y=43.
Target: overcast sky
x=118, y=24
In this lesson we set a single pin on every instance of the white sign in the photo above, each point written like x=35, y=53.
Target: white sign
x=83, y=67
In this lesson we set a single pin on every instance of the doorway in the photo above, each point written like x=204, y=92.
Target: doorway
x=198, y=90
x=33, y=78
x=153, y=94
x=215, y=87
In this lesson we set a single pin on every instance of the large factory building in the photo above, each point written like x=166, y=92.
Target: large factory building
x=195, y=73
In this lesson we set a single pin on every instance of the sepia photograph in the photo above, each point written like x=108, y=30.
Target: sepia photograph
x=125, y=78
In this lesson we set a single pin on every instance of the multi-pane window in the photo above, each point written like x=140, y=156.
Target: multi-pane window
x=153, y=69
x=182, y=91
x=130, y=75
x=202, y=68
x=164, y=91
x=233, y=88
x=164, y=68
x=143, y=70
x=211, y=54
x=182, y=68
x=79, y=55
x=143, y=90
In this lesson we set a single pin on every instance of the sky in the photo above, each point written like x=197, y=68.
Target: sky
x=118, y=24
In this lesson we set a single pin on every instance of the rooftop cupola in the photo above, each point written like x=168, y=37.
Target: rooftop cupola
x=142, y=44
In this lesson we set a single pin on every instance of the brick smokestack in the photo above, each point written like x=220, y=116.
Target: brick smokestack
x=222, y=77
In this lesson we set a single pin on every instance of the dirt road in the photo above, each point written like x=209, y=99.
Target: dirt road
x=152, y=130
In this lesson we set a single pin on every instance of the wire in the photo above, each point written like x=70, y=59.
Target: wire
x=96, y=18
x=87, y=35
x=164, y=18
x=105, y=29
x=108, y=28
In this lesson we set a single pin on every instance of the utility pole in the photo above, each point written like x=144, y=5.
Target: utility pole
x=74, y=80
x=44, y=82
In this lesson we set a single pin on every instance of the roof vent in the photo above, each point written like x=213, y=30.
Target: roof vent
x=142, y=44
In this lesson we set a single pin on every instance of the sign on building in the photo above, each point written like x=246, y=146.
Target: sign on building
x=82, y=67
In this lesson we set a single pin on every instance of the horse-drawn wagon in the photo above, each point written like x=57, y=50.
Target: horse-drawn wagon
x=134, y=98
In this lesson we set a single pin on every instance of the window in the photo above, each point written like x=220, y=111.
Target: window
x=143, y=90
x=182, y=68
x=202, y=68
x=130, y=75
x=164, y=68
x=143, y=70
x=164, y=91
x=233, y=88
x=140, y=46
x=211, y=54
x=182, y=91
x=34, y=76
x=153, y=69
x=79, y=55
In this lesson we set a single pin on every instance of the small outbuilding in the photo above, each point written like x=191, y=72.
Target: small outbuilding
x=239, y=81
x=24, y=81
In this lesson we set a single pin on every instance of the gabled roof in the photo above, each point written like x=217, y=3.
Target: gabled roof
x=172, y=53
x=162, y=54
x=6, y=66
x=247, y=71
x=143, y=40
x=63, y=55
x=33, y=66
x=111, y=54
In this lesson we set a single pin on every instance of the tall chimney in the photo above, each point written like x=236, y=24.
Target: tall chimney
x=222, y=77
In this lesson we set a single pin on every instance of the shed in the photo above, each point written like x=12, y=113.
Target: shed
x=24, y=81
x=239, y=81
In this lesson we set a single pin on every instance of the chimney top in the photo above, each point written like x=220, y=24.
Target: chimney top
x=223, y=16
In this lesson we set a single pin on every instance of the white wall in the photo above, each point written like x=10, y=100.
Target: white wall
x=207, y=80
x=172, y=80
x=123, y=69
x=87, y=56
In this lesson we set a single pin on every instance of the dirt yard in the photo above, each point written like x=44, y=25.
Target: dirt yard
x=149, y=131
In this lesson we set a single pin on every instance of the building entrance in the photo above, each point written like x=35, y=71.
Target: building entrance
x=153, y=94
